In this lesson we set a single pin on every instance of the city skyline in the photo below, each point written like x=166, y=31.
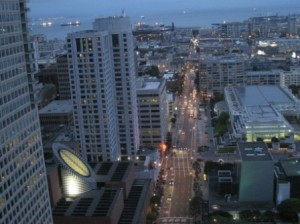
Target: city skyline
x=152, y=124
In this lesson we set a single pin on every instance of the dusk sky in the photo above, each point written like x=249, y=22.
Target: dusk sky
x=46, y=8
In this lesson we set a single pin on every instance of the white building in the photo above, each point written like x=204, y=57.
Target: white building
x=102, y=75
x=152, y=111
x=93, y=95
x=291, y=77
x=24, y=196
x=258, y=112
x=120, y=35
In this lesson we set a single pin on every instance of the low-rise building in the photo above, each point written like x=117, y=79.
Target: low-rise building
x=258, y=112
x=58, y=113
x=256, y=173
x=100, y=192
x=289, y=170
x=152, y=111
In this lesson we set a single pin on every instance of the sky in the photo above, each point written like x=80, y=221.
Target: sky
x=53, y=8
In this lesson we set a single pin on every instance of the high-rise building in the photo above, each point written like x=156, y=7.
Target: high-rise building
x=121, y=38
x=102, y=77
x=93, y=95
x=24, y=196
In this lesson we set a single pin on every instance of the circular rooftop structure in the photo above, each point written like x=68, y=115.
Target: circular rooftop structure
x=71, y=161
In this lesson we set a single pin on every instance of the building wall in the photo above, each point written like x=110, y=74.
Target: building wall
x=24, y=196
x=93, y=95
x=54, y=186
x=124, y=67
x=282, y=192
x=153, y=113
x=219, y=72
x=63, y=78
x=256, y=181
x=55, y=120
x=82, y=219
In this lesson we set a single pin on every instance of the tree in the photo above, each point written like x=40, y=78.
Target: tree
x=274, y=139
x=221, y=217
x=153, y=70
x=221, y=125
x=155, y=200
x=268, y=216
x=196, y=166
x=259, y=139
x=295, y=89
x=289, y=209
x=173, y=120
x=169, y=140
x=249, y=215
x=196, y=206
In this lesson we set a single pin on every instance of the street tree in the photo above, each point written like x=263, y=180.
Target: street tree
x=289, y=209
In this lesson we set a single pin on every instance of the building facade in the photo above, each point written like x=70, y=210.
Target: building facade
x=124, y=68
x=63, y=77
x=217, y=72
x=258, y=112
x=256, y=174
x=152, y=111
x=93, y=95
x=24, y=196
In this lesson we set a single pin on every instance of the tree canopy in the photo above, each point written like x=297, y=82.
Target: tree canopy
x=289, y=209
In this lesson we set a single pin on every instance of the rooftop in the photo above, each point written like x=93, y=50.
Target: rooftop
x=92, y=203
x=261, y=95
x=151, y=85
x=168, y=75
x=291, y=166
x=57, y=107
x=134, y=203
x=254, y=151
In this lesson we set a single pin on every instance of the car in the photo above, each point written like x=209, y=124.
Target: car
x=169, y=198
x=171, y=182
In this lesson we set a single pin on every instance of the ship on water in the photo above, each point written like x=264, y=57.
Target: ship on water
x=46, y=24
x=76, y=23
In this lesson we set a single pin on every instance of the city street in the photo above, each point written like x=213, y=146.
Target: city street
x=178, y=163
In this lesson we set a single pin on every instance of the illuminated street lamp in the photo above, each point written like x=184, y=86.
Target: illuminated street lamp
x=163, y=147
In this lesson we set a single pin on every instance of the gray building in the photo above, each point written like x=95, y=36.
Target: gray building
x=63, y=79
x=24, y=196
x=217, y=72
x=256, y=174
x=124, y=68
x=258, y=112
x=152, y=111
x=93, y=95
x=103, y=88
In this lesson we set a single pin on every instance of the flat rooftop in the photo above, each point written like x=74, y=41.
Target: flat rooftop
x=151, y=85
x=254, y=151
x=111, y=171
x=134, y=204
x=261, y=95
x=291, y=166
x=168, y=76
x=57, y=107
x=93, y=203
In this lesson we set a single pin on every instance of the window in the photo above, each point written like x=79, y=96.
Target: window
x=115, y=40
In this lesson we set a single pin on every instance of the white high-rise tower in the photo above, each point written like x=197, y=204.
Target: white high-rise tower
x=120, y=35
x=24, y=196
x=102, y=76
